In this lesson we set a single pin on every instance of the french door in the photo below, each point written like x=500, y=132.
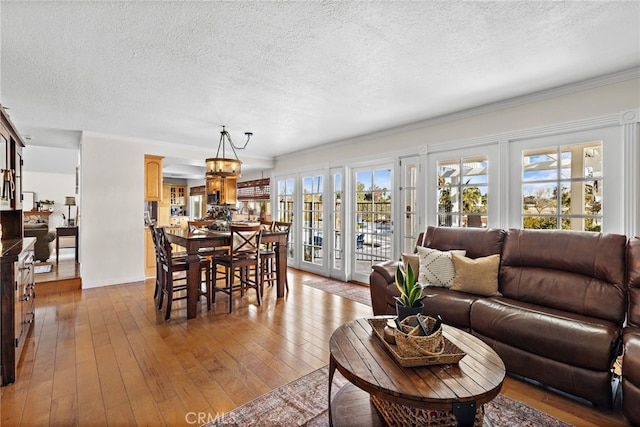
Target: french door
x=337, y=267
x=285, y=208
x=314, y=253
x=372, y=219
x=410, y=189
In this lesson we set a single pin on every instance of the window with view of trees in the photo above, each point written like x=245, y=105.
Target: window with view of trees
x=463, y=191
x=562, y=187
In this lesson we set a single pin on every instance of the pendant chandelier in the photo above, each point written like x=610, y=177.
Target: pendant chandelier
x=222, y=166
x=222, y=172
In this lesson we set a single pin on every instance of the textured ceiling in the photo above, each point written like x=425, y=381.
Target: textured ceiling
x=296, y=74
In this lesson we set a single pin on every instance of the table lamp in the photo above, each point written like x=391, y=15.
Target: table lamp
x=69, y=201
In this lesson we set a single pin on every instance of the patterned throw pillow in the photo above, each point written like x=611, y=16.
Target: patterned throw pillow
x=436, y=267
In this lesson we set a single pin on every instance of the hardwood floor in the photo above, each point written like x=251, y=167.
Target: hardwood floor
x=64, y=276
x=105, y=356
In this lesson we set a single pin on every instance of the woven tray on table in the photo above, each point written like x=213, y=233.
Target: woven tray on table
x=447, y=353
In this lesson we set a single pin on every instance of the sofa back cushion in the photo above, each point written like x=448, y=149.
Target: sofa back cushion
x=575, y=271
x=478, y=242
x=633, y=280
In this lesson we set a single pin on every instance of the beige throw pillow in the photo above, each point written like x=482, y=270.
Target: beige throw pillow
x=413, y=260
x=436, y=267
x=476, y=276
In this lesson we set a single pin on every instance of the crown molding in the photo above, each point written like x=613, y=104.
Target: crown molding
x=542, y=95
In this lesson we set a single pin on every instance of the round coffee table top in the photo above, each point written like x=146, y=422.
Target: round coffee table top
x=361, y=357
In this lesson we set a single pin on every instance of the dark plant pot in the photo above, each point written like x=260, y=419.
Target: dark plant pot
x=403, y=311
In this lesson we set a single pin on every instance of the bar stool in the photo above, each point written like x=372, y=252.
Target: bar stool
x=170, y=265
x=268, y=265
x=243, y=258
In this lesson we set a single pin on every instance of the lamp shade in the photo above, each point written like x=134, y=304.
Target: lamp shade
x=69, y=201
x=223, y=167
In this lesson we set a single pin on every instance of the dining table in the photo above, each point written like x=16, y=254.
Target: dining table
x=195, y=239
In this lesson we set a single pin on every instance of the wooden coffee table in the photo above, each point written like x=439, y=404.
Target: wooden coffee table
x=361, y=357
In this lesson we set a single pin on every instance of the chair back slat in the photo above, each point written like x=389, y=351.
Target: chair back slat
x=245, y=241
x=164, y=249
x=154, y=239
x=266, y=225
x=194, y=225
x=281, y=226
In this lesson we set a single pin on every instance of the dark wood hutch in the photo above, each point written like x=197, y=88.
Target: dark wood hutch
x=17, y=286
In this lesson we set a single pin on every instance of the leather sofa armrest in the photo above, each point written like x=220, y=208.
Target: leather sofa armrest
x=631, y=374
x=380, y=279
x=387, y=270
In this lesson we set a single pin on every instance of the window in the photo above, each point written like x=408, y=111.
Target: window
x=337, y=221
x=254, y=197
x=463, y=192
x=410, y=179
x=312, y=188
x=285, y=197
x=562, y=187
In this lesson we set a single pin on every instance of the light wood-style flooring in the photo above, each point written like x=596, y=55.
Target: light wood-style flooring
x=105, y=356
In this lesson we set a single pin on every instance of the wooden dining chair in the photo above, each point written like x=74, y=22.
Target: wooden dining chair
x=268, y=265
x=243, y=258
x=267, y=256
x=156, y=291
x=175, y=256
x=169, y=266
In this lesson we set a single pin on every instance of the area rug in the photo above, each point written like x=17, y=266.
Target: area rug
x=352, y=291
x=43, y=268
x=303, y=402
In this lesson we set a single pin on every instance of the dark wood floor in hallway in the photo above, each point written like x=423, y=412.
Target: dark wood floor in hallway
x=105, y=356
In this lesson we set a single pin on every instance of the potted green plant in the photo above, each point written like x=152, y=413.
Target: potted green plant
x=410, y=300
x=263, y=209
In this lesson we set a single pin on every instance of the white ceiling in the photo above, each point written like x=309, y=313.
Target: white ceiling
x=296, y=74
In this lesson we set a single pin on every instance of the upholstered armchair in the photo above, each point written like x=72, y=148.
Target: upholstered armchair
x=43, y=237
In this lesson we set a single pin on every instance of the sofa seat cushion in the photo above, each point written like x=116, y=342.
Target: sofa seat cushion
x=554, y=334
x=454, y=307
x=631, y=374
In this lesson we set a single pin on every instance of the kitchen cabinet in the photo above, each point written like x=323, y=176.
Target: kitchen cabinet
x=177, y=195
x=152, y=178
x=149, y=254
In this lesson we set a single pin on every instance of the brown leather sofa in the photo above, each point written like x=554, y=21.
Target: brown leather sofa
x=631, y=338
x=40, y=231
x=560, y=317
